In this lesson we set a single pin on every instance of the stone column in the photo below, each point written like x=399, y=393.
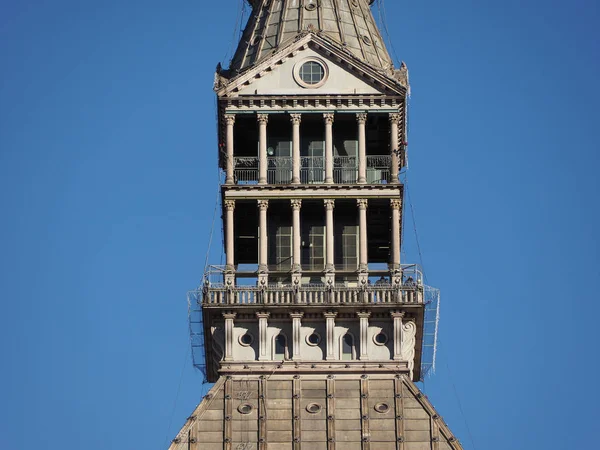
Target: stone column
x=397, y=316
x=229, y=243
x=228, y=316
x=394, y=146
x=328, y=147
x=330, y=327
x=395, y=204
x=296, y=241
x=329, y=265
x=364, y=329
x=262, y=148
x=230, y=121
x=263, y=268
x=363, y=261
x=262, y=335
x=296, y=324
x=295, y=118
x=361, y=118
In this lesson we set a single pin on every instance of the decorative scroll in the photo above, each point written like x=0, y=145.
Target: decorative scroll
x=409, y=332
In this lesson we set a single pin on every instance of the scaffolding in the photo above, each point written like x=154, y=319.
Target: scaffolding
x=196, y=326
x=430, y=330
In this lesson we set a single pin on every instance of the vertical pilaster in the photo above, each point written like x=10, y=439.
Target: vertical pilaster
x=295, y=118
x=361, y=119
x=296, y=328
x=364, y=331
x=397, y=316
x=330, y=328
x=263, y=268
x=330, y=402
x=364, y=413
x=395, y=204
x=230, y=121
x=262, y=316
x=228, y=316
x=328, y=117
x=363, y=261
x=263, y=119
x=394, y=146
x=329, y=249
x=228, y=425
x=399, y=409
x=296, y=241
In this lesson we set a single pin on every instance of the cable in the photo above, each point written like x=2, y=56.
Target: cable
x=176, y=397
x=383, y=21
x=462, y=413
x=412, y=213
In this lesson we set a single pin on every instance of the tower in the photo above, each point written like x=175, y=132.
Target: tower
x=313, y=328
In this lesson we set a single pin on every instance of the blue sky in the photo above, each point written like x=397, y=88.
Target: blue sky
x=108, y=180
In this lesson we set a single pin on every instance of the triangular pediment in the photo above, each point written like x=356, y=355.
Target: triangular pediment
x=277, y=74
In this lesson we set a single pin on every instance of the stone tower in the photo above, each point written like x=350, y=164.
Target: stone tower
x=313, y=328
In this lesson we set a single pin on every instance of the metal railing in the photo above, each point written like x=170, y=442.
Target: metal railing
x=378, y=169
x=245, y=170
x=279, y=170
x=312, y=169
x=345, y=169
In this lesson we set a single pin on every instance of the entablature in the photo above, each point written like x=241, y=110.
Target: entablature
x=251, y=192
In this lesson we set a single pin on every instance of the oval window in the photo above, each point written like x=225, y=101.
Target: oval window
x=313, y=339
x=382, y=408
x=380, y=338
x=245, y=408
x=313, y=408
x=246, y=339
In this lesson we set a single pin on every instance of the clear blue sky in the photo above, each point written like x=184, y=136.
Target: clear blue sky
x=107, y=188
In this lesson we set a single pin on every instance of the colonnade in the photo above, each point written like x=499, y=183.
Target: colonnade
x=296, y=119
x=296, y=205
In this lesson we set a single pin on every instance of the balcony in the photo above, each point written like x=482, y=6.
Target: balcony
x=246, y=170
x=311, y=295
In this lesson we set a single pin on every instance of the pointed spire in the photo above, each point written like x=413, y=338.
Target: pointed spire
x=347, y=23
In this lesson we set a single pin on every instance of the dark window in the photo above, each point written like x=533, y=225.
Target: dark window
x=347, y=347
x=280, y=347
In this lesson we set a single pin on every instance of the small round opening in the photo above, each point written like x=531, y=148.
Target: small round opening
x=245, y=408
x=311, y=5
x=380, y=338
x=313, y=339
x=246, y=339
x=313, y=408
x=382, y=407
x=366, y=39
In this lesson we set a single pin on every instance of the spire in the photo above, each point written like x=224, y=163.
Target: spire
x=347, y=23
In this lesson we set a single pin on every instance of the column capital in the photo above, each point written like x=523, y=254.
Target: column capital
x=363, y=314
x=296, y=315
x=229, y=205
x=397, y=314
x=329, y=203
x=263, y=314
x=262, y=118
x=361, y=118
x=328, y=117
x=263, y=205
x=296, y=203
x=394, y=117
x=362, y=203
x=229, y=315
x=296, y=118
x=330, y=314
x=229, y=118
x=396, y=203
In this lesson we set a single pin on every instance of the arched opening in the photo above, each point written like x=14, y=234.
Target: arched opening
x=281, y=348
x=348, y=347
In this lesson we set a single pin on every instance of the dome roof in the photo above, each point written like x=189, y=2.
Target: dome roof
x=275, y=23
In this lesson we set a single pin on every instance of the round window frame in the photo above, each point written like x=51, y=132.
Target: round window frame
x=298, y=79
x=311, y=343
x=243, y=344
x=245, y=408
x=308, y=408
x=380, y=344
x=382, y=408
